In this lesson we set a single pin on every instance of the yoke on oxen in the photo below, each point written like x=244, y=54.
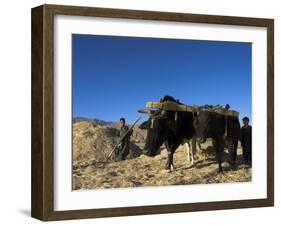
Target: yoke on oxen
x=174, y=106
x=179, y=107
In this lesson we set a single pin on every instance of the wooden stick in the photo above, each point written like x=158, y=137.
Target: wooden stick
x=131, y=127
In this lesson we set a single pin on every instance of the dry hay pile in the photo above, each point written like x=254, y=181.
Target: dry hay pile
x=94, y=143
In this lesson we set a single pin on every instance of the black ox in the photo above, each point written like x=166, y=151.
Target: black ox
x=224, y=130
x=166, y=127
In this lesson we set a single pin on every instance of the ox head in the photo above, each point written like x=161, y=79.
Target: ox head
x=159, y=126
x=202, y=124
x=209, y=124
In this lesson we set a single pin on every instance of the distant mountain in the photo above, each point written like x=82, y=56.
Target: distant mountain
x=96, y=121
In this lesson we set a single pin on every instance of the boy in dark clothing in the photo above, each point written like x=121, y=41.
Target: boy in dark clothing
x=246, y=141
x=124, y=147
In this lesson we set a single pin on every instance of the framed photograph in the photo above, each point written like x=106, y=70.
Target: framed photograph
x=142, y=112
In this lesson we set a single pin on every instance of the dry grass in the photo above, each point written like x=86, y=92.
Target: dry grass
x=90, y=171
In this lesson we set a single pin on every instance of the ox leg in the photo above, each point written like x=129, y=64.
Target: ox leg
x=235, y=145
x=170, y=164
x=190, y=150
x=199, y=146
x=219, y=152
x=189, y=154
x=230, y=148
x=193, y=148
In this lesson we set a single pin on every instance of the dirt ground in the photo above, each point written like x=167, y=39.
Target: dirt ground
x=150, y=171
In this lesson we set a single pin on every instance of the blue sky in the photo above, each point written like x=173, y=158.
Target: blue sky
x=114, y=76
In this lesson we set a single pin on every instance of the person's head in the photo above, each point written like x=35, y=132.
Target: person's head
x=122, y=121
x=246, y=121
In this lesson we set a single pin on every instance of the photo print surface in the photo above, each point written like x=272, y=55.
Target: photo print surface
x=155, y=112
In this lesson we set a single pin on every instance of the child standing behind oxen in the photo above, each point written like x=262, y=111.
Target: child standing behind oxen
x=246, y=141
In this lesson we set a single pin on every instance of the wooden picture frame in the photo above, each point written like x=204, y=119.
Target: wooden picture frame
x=42, y=203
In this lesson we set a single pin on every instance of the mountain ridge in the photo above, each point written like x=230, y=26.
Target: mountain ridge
x=95, y=120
